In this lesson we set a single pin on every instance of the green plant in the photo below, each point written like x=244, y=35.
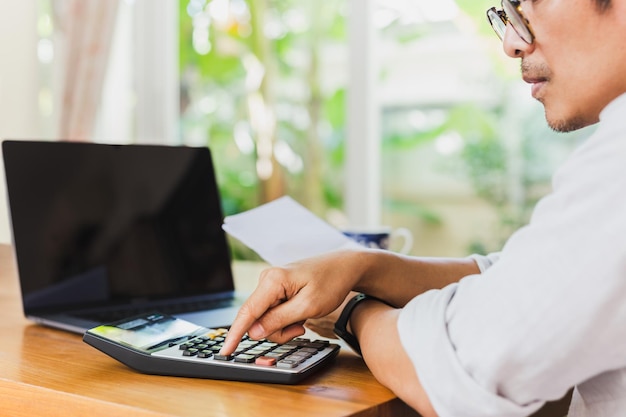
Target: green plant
x=260, y=65
x=253, y=92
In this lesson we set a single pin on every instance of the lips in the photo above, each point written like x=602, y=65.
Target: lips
x=536, y=89
x=537, y=84
x=537, y=74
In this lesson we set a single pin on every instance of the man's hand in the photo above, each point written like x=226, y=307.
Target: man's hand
x=313, y=288
x=325, y=326
x=286, y=297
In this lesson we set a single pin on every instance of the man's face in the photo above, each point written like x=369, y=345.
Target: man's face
x=577, y=63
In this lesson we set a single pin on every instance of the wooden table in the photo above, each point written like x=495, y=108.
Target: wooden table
x=47, y=373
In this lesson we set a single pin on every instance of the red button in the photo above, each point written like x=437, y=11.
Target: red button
x=265, y=361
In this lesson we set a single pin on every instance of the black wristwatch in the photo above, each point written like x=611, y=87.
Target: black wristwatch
x=342, y=324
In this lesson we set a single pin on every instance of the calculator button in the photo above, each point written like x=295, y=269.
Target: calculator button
x=265, y=361
x=316, y=345
x=287, y=363
x=243, y=346
x=304, y=355
x=190, y=352
x=283, y=349
x=205, y=354
x=218, y=357
x=244, y=358
x=256, y=352
x=276, y=355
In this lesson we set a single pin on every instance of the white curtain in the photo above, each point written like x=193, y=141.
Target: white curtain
x=85, y=29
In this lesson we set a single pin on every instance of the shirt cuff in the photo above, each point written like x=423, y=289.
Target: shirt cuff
x=485, y=262
x=451, y=390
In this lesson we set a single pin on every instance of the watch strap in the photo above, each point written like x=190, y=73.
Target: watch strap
x=341, y=326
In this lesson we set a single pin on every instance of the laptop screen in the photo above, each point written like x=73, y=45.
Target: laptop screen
x=97, y=225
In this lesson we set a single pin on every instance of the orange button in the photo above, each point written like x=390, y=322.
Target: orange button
x=265, y=361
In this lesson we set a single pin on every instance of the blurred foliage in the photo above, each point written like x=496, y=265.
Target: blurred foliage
x=289, y=41
x=309, y=117
x=477, y=11
x=252, y=90
x=511, y=171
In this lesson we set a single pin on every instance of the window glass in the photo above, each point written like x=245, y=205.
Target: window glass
x=466, y=152
x=263, y=84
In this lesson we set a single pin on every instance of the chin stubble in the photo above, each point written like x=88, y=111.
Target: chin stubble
x=568, y=125
x=542, y=71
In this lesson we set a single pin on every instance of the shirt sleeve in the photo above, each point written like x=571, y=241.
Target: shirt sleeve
x=484, y=262
x=548, y=315
x=452, y=390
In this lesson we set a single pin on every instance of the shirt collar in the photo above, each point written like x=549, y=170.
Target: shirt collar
x=616, y=108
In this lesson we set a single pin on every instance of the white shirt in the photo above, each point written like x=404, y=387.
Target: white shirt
x=549, y=312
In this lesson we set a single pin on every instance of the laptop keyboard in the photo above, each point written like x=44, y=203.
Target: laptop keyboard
x=106, y=316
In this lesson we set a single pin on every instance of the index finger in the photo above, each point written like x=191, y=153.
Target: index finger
x=261, y=300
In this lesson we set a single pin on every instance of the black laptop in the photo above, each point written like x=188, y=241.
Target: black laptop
x=102, y=232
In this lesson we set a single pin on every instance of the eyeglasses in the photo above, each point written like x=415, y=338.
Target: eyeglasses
x=511, y=12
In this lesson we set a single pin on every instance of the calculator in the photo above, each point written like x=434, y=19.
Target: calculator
x=161, y=344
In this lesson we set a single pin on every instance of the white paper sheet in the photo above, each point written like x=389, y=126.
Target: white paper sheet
x=282, y=231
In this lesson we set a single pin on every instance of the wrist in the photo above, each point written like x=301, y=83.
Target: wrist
x=359, y=313
x=343, y=327
x=359, y=262
x=372, y=264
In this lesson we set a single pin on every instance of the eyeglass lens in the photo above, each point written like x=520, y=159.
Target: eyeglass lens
x=511, y=13
x=519, y=22
x=497, y=22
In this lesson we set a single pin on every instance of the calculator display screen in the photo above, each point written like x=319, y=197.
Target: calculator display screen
x=147, y=333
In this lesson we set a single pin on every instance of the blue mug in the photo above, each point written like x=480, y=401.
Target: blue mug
x=381, y=237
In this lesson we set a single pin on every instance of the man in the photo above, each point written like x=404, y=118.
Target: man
x=501, y=335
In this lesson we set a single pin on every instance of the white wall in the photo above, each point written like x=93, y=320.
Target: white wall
x=18, y=83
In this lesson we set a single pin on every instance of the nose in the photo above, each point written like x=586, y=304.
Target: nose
x=514, y=45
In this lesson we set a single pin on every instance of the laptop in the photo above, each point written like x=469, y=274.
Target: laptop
x=102, y=232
